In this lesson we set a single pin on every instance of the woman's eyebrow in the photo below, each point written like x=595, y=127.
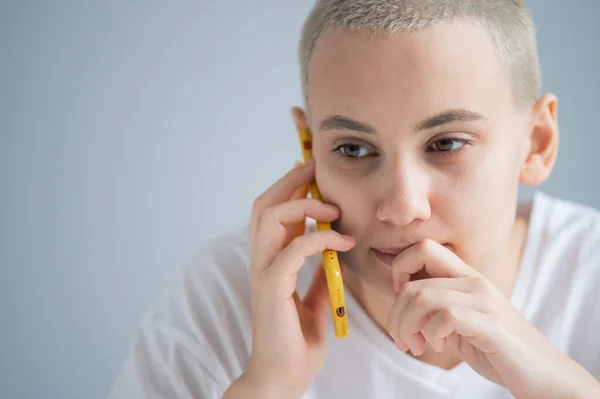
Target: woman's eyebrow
x=451, y=115
x=339, y=122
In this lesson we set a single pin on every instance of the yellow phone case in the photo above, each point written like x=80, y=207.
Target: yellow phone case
x=331, y=262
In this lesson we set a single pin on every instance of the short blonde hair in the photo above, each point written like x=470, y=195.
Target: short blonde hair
x=508, y=22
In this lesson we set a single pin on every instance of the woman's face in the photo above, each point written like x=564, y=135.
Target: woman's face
x=416, y=136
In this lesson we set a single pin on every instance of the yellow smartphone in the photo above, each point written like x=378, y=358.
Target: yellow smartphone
x=331, y=262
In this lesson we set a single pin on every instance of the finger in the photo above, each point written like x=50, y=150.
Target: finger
x=296, y=229
x=437, y=260
x=414, y=342
x=401, y=345
x=300, y=192
x=284, y=269
x=437, y=344
x=299, y=117
x=271, y=230
x=393, y=324
x=420, y=307
x=463, y=284
x=281, y=191
x=438, y=329
x=422, y=290
x=425, y=302
x=480, y=329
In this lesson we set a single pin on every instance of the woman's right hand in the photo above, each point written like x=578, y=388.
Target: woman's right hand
x=288, y=333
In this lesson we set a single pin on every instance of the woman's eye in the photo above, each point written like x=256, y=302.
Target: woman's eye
x=354, y=150
x=448, y=144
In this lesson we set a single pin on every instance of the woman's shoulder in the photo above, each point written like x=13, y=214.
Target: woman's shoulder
x=573, y=231
x=206, y=308
x=208, y=305
x=570, y=225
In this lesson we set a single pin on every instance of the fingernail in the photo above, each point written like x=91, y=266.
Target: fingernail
x=411, y=349
x=402, y=347
x=298, y=164
x=348, y=238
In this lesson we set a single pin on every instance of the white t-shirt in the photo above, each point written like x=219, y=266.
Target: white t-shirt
x=197, y=339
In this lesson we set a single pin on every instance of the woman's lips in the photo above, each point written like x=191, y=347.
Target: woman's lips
x=385, y=257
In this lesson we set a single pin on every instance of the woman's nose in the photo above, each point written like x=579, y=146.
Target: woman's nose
x=404, y=197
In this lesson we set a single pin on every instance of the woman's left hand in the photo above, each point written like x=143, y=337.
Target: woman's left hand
x=459, y=307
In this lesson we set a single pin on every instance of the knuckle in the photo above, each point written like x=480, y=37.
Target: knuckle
x=268, y=213
x=486, y=300
x=408, y=289
x=294, y=175
x=426, y=244
x=423, y=296
x=297, y=243
x=486, y=285
x=326, y=237
x=452, y=313
x=482, y=286
x=478, y=281
x=257, y=204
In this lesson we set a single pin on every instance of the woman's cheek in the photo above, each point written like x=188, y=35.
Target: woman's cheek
x=347, y=196
x=335, y=189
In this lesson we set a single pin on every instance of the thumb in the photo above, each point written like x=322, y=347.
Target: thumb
x=317, y=296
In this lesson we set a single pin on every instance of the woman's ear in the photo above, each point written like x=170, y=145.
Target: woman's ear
x=299, y=117
x=543, y=142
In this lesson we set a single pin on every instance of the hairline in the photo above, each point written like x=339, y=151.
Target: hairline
x=522, y=97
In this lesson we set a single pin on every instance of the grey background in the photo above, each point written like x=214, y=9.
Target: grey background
x=131, y=132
